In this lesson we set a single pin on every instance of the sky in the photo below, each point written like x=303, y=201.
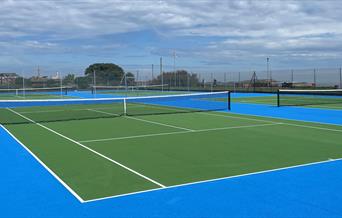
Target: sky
x=224, y=35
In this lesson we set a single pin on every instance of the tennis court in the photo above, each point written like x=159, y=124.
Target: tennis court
x=325, y=99
x=109, y=148
x=34, y=93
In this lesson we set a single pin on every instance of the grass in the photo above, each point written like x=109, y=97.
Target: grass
x=170, y=149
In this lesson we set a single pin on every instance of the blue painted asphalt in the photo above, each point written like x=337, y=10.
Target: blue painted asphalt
x=318, y=115
x=28, y=190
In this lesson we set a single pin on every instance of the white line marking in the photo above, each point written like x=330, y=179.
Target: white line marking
x=218, y=179
x=45, y=166
x=161, y=124
x=279, y=118
x=314, y=127
x=147, y=121
x=89, y=149
x=285, y=123
x=174, y=133
x=235, y=117
x=132, y=137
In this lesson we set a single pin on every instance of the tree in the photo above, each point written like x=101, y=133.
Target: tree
x=69, y=79
x=181, y=77
x=83, y=82
x=106, y=73
x=130, y=79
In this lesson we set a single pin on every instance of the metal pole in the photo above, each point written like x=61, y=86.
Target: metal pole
x=268, y=72
x=225, y=81
x=23, y=85
x=61, y=84
x=152, y=72
x=315, y=78
x=161, y=73
x=340, y=78
x=174, y=67
x=126, y=87
x=94, y=85
x=239, y=79
x=212, y=82
x=292, y=77
x=188, y=75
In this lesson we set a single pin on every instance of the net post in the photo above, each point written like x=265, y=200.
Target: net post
x=229, y=100
x=278, y=98
x=125, y=106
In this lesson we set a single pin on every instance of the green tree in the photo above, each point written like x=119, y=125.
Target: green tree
x=181, y=78
x=69, y=79
x=130, y=79
x=84, y=82
x=106, y=73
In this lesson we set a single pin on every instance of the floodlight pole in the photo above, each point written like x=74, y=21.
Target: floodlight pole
x=152, y=72
x=315, y=78
x=161, y=73
x=61, y=83
x=94, y=82
x=23, y=84
x=212, y=82
x=174, y=67
x=268, y=70
x=225, y=80
x=340, y=78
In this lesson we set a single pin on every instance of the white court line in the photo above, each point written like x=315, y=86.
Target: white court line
x=216, y=179
x=146, y=121
x=89, y=149
x=314, y=127
x=174, y=133
x=235, y=117
x=45, y=166
x=279, y=118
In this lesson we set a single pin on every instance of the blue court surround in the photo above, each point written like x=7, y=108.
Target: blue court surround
x=27, y=189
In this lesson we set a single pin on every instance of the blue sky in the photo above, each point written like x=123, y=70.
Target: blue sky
x=208, y=36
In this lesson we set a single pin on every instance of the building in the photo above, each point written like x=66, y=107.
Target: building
x=8, y=78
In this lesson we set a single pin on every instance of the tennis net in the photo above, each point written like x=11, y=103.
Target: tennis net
x=53, y=110
x=289, y=97
x=27, y=92
x=136, y=90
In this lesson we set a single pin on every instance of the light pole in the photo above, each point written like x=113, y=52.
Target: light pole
x=268, y=71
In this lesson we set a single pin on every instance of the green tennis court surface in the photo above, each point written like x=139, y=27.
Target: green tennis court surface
x=141, y=93
x=32, y=97
x=117, y=155
x=332, y=103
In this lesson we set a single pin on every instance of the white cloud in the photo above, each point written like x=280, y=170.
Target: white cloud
x=245, y=28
